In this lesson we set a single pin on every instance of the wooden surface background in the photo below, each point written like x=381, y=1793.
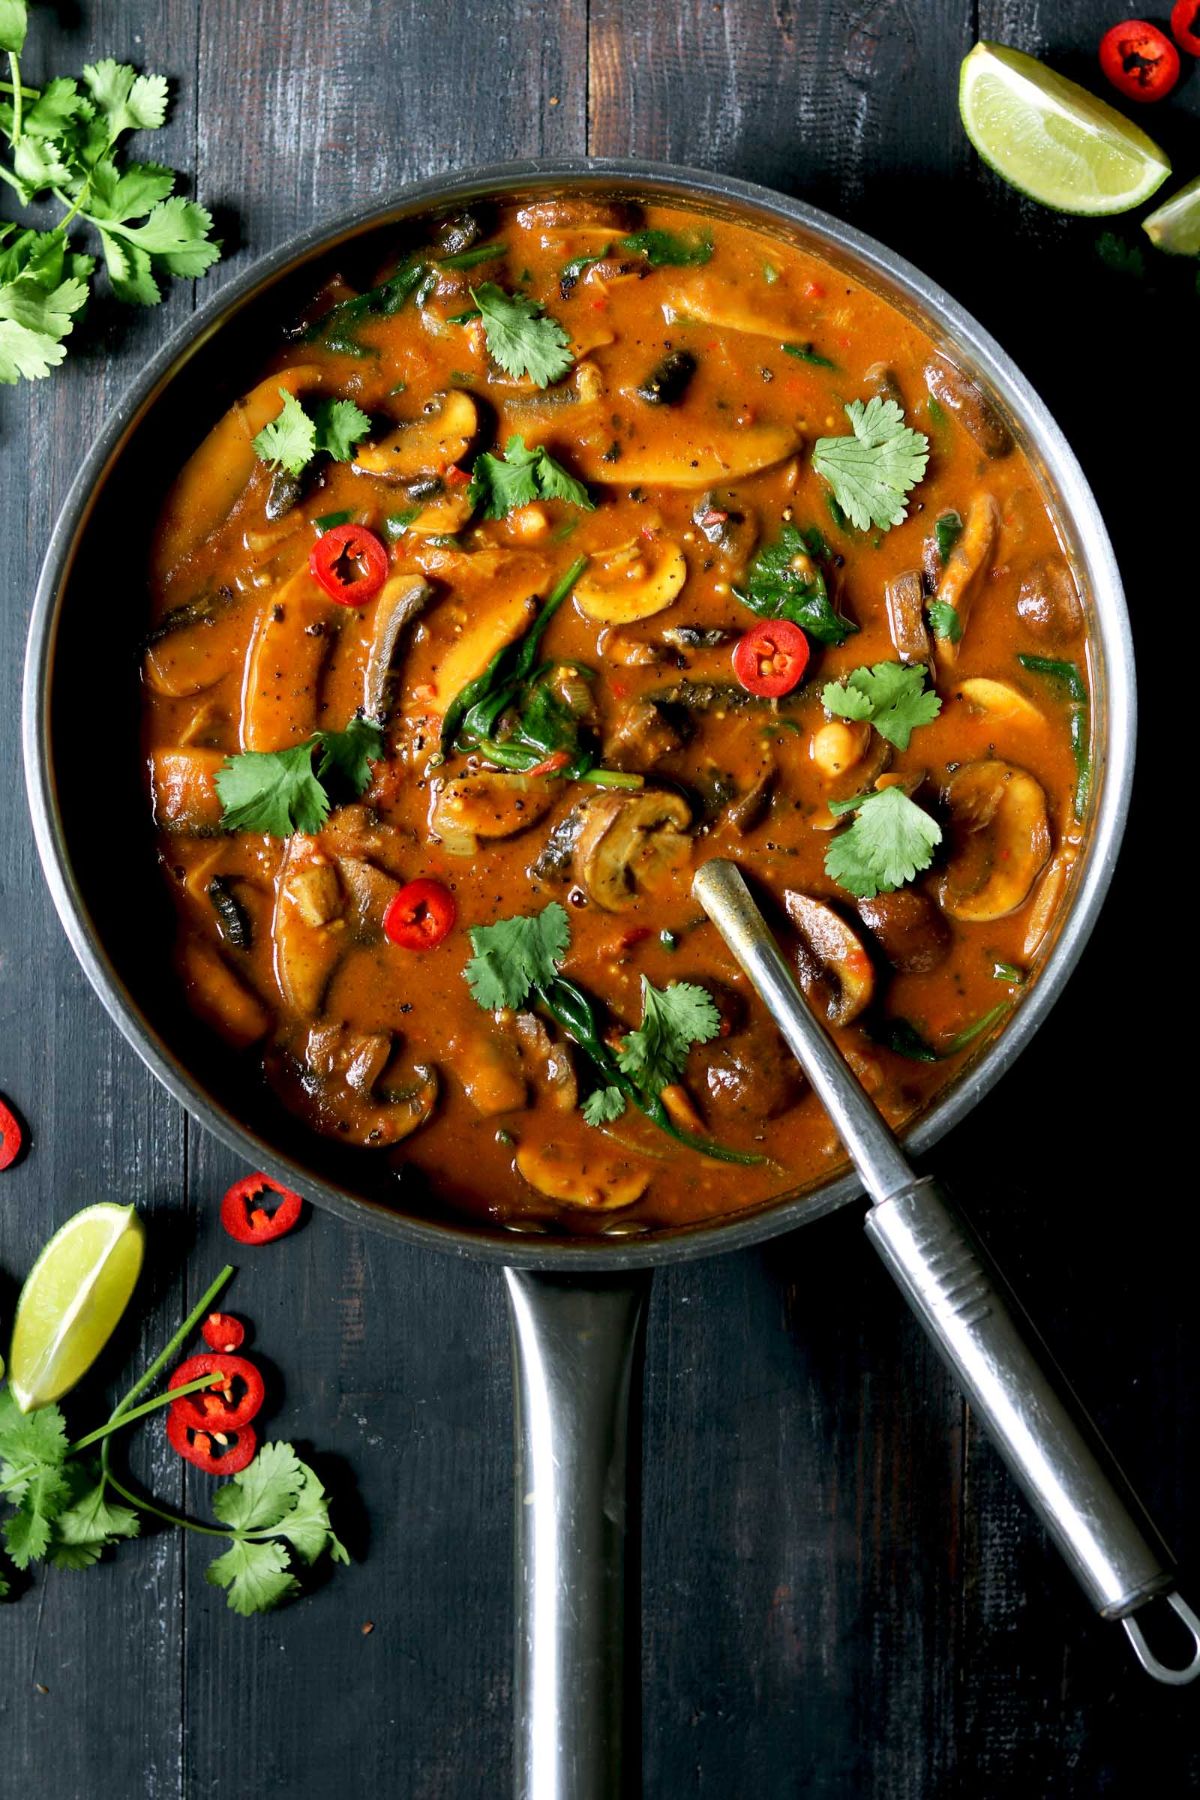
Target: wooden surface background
x=843, y=1596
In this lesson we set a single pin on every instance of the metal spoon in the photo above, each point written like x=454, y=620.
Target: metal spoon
x=964, y=1304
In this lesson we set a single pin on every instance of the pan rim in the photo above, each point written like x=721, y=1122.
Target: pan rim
x=497, y=1243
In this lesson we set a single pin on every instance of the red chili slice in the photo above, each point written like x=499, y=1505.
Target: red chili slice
x=420, y=915
x=1185, y=23
x=253, y=1224
x=1140, y=60
x=221, y=1331
x=350, y=563
x=557, y=759
x=11, y=1136
x=217, y=1409
x=202, y=1445
x=771, y=659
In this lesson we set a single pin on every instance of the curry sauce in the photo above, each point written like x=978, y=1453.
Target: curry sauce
x=704, y=363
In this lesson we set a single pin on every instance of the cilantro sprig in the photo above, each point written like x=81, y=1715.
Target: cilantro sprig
x=786, y=580
x=64, y=142
x=890, y=841
x=294, y=436
x=520, y=337
x=873, y=467
x=516, y=962
x=889, y=696
x=279, y=791
x=70, y=1507
x=519, y=475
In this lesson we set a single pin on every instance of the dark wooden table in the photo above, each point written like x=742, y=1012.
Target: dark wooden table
x=843, y=1595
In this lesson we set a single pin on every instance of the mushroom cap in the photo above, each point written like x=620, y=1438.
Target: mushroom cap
x=1001, y=838
x=628, y=843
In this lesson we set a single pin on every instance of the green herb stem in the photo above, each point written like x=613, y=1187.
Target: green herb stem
x=18, y=94
x=202, y=1306
x=117, y=1423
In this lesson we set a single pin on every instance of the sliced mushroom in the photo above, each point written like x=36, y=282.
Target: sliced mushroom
x=489, y=1068
x=1045, y=901
x=1048, y=602
x=1000, y=700
x=751, y=807
x=882, y=380
x=371, y=892
x=687, y=458
x=967, y=567
x=217, y=995
x=580, y=213
x=491, y=804
x=211, y=482
x=286, y=658
x=549, y=1061
x=192, y=648
x=631, y=581
x=905, y=599
x=594, y=1177
x=669, y=380
x=834, y=969
x=443, y=514
x=306, y=951
x=355, y=832
x=354, y=1099
x=1001, y=840
x=908, y=928
x=402, y=599
x=708, y=299
x=183, y=784
x=970, y=406
x=629, y=844
x=431, y=443
x=493, y=597
x=641, y=736
x=750, y=1077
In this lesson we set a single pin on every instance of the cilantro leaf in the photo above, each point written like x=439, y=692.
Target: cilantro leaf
x=34, y=319
x=125, y=100
x=520, y=337
x=272, y=791
x=307, y=1528
x=256, y=1572
x=293, y=437
x=668, y=249
x=89, y=1527
x=340, y=427
x=289, y=441
x=873, y=468
x=519, y=476
x=890, y=841
x=602, y=1105
x=279, y=792
x=786, y=580
x=516, y=955
x=890, y=695
x=263, y=1493
x=673, y=1019
x=27, y=1531
x=944, y=621
x=14, y=23
x=30, y=1444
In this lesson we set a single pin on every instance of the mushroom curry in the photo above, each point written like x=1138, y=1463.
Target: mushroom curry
x=580, y=543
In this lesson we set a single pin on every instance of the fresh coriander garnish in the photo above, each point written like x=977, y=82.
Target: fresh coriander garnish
x=516, y=963
x=501, y=483
x=890, y=841
x=889, y=695
x=293, y=437
x=668, y=249
x=875, y=465
x=786, y=580
x=520, y=337
x=64, y=139
x=944, y=621
x=947, y=530
x=279, y=792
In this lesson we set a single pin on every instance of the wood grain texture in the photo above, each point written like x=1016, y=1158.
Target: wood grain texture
x=843, y=1596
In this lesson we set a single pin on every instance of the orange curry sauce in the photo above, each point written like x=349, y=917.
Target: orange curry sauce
x=385, y=1047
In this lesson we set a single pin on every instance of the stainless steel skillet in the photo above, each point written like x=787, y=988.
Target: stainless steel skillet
x=577, y=1306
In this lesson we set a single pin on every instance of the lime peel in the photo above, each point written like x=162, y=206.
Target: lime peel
x=1175, y=225
x=72, y=1300
x=1052, y=139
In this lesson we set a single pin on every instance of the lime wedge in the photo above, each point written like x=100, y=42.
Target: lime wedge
x=72, y=1299
x=1051, y=138
x=1175, y=225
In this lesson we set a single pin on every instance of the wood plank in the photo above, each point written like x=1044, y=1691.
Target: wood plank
x=99, y=1126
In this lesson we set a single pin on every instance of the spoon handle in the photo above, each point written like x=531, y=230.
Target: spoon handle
x=965, y=1306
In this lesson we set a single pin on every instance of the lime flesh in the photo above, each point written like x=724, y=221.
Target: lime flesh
x=71, y=1302
x=1175, y=225
x=1052, y=139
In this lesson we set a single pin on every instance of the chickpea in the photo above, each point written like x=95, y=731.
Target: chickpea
x=529, y=523
x=839, y=745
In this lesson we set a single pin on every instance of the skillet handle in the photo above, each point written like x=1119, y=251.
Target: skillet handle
x=577, y=1354
x=1031, y=1414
